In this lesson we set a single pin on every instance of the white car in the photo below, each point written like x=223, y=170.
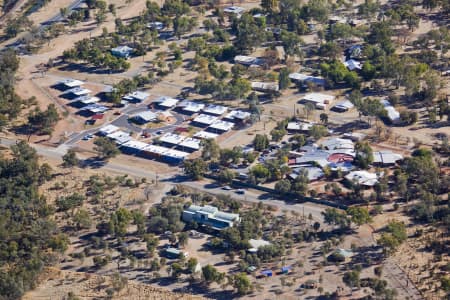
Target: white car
x=87, y=137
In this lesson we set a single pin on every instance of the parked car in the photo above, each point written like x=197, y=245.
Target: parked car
x=87, y=137
x=240, y=191
x=227, y=188
x=117, y=113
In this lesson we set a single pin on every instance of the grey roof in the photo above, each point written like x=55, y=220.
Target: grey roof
x=313, y=173
x=386, y=157
x=193, y=208
x=226, y=216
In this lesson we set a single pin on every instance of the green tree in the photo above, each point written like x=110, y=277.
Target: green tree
x=359, y=215
x=82, y=219
x=364, y=155
x=351, y=279
x=43, y=122
x=195, y=168
x=211, y=150
x=283, y=79
x=106, y=148
x=283, y=186
x=261, y=142
x=191, y=264
x=226, y=176
x=119, y=222
x=333, y=216
x=242, y=284
x=318, y=131
x=70, y=159
x=210, y=274
x=394, y=235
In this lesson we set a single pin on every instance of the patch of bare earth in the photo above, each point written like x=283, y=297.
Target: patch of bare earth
x=57, y=284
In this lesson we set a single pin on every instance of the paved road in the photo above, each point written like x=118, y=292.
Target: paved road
x=172, y=179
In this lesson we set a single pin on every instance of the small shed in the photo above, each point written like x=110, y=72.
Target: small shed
x=285, y=269
x=267, y=273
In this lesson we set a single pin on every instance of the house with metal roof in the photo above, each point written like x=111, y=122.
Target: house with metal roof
x=86, y=99
x=337, y=144
x=105, y=130
x=120, y=137
x=234, y=10
x=343, y=106
x=210, y=216
x=166, y=102
x=171, y=138
x=190, y=144
x=386, y=158
x=71, y=83
x=122, y=51
x=362, y=178
x=352, y=64
x=95, y=108
x=78, y=91
x=204, y=135
x=204, y=119
x=215, y=109
x=299, y=126
x=237, y=115
x=392, y=113
x=247, y=60
x=136, y=96
x=305, y=79
x=221, y=126
x=174, y=253
x=319, y=100
x=265, y=87
x=145, y=117
x=191, y=107
x=133, y=147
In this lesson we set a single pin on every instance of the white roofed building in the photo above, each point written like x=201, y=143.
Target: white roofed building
x=363, y=178
x=320, y=100
x=343, y=106
x=120, y=137
x=206, y=135
x=172, y=138
x=191, y=107
x=71, y=83
x=205, y=119
x=145, y=117
x=238, y=115
x=338, y=143
x=392, y=113
x=386, y=158
x=299, y=126
x=215, y=109
x=210, y=216
x=234, y=10
x=137, y=96
x=352, y=64
x=86, y=99
x=247, y=60
x=122, y=51
x=221, y=126
x=133, y=147
x=105, y=130
x=78, y=91
x=95, y=108
x=266, y=87
x=191, y=144
x=300, y=77
x=166, y=102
